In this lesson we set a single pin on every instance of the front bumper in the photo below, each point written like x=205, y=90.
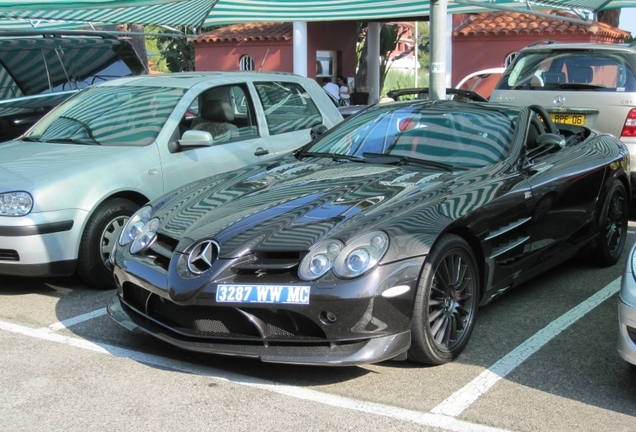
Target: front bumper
x=354, y=353
x=41, y=244
x=627, y=332
x=364, y=326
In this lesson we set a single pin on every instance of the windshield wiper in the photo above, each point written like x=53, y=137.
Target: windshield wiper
x=70, y=141
x=405, y=160
x=334, y=156
x=581, y=86
x=29, y=139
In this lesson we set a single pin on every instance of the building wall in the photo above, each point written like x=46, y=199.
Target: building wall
x=225, y=56
x=339, y=36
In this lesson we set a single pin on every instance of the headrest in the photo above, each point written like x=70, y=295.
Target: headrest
x=581, y=74
x=217, y=111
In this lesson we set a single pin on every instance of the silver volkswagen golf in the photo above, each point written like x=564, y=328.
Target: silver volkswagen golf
x=69, y=184
x=627, y=311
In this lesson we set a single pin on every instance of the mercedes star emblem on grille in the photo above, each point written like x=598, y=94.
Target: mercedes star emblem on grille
x=202, y=256
x=559, y=100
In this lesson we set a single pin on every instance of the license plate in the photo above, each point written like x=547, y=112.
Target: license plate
x=573, y=119
x=274, y=294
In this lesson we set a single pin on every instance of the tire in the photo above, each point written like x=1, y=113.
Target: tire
x=98, y=240
x=445, y=303
x=612, y=225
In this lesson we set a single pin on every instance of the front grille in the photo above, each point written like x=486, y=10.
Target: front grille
x=632, y=333
x=269, y=262
x=224, y=322
x=9, y=255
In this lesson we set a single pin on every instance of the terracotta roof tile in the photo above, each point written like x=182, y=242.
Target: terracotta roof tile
x=507, y=23
x=248, y=32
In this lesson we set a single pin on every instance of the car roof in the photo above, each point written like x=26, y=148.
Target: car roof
x=579, y=46
x=190, y=79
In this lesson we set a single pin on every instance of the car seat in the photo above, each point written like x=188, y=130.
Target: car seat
x=215, y=117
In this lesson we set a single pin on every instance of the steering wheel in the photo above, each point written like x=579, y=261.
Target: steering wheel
x=548, y=124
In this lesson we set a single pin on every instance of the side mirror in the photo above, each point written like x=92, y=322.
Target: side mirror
x=196, y=138
x=318, y=130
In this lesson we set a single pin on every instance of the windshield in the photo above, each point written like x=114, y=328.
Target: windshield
x=459, y=135
x=110, y=115
x=570, y=69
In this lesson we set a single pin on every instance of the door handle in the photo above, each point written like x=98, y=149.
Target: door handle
x=260, y=151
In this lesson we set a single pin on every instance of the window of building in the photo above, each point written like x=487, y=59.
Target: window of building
x=246, y=63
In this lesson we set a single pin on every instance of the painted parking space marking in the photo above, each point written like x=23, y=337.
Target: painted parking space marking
x=459, y=401
x=416, y=417
x=77, y=319
x=443, y=416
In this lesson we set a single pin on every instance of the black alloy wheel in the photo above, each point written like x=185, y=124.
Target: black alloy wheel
x=446, y=303
x=613, y=222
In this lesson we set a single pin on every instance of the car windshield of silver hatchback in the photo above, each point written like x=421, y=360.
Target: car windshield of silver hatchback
x=575, y=70
x=110, y=115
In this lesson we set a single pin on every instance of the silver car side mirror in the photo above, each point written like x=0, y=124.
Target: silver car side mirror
x=196, y=138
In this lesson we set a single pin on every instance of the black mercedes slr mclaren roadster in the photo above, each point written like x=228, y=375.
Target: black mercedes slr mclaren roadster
x=377, y=240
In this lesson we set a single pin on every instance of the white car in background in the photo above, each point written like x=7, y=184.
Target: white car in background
x=69, y=184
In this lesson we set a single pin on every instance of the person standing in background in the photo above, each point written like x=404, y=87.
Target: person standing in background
x=331, y=87
x=344, y=90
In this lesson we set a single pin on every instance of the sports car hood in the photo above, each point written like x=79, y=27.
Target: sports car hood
x=293, y=204
x=24, y=165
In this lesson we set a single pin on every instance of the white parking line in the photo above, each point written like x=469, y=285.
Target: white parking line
x=77, y=319
x=464, y=397
x=442, y=416
x=425, y=419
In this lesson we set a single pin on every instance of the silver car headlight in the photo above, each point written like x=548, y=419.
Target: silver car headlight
x=361, y=255
x=319, y=260
x=135, y=225
x=15, y=203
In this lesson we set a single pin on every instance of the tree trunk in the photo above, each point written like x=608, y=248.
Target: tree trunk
x=611, y=17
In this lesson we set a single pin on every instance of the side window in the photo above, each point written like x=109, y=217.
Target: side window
x=226, y=112
x=288, y=107
x=99, y=62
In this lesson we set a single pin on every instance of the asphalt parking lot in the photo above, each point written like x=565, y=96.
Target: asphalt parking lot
x=542, y=358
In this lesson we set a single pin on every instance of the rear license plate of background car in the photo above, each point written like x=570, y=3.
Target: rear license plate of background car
x=275, y=294
x=573, y=119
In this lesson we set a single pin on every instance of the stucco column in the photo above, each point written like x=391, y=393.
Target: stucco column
x=437, y=74
x=299, y=38
x=373, y=62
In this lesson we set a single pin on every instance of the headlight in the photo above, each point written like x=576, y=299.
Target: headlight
x=320, y=260
x=15, y=203
x=146, y=236
x=349, y=261
x=135, y=225
x=361, y=254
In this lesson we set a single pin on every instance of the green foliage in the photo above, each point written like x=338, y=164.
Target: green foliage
x=173, y=54
x=398, y=80
x=159, y=63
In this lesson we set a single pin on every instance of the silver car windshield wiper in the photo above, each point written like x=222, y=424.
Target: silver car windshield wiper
x=333, y=156
x=405, y=160
x=71, y=141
